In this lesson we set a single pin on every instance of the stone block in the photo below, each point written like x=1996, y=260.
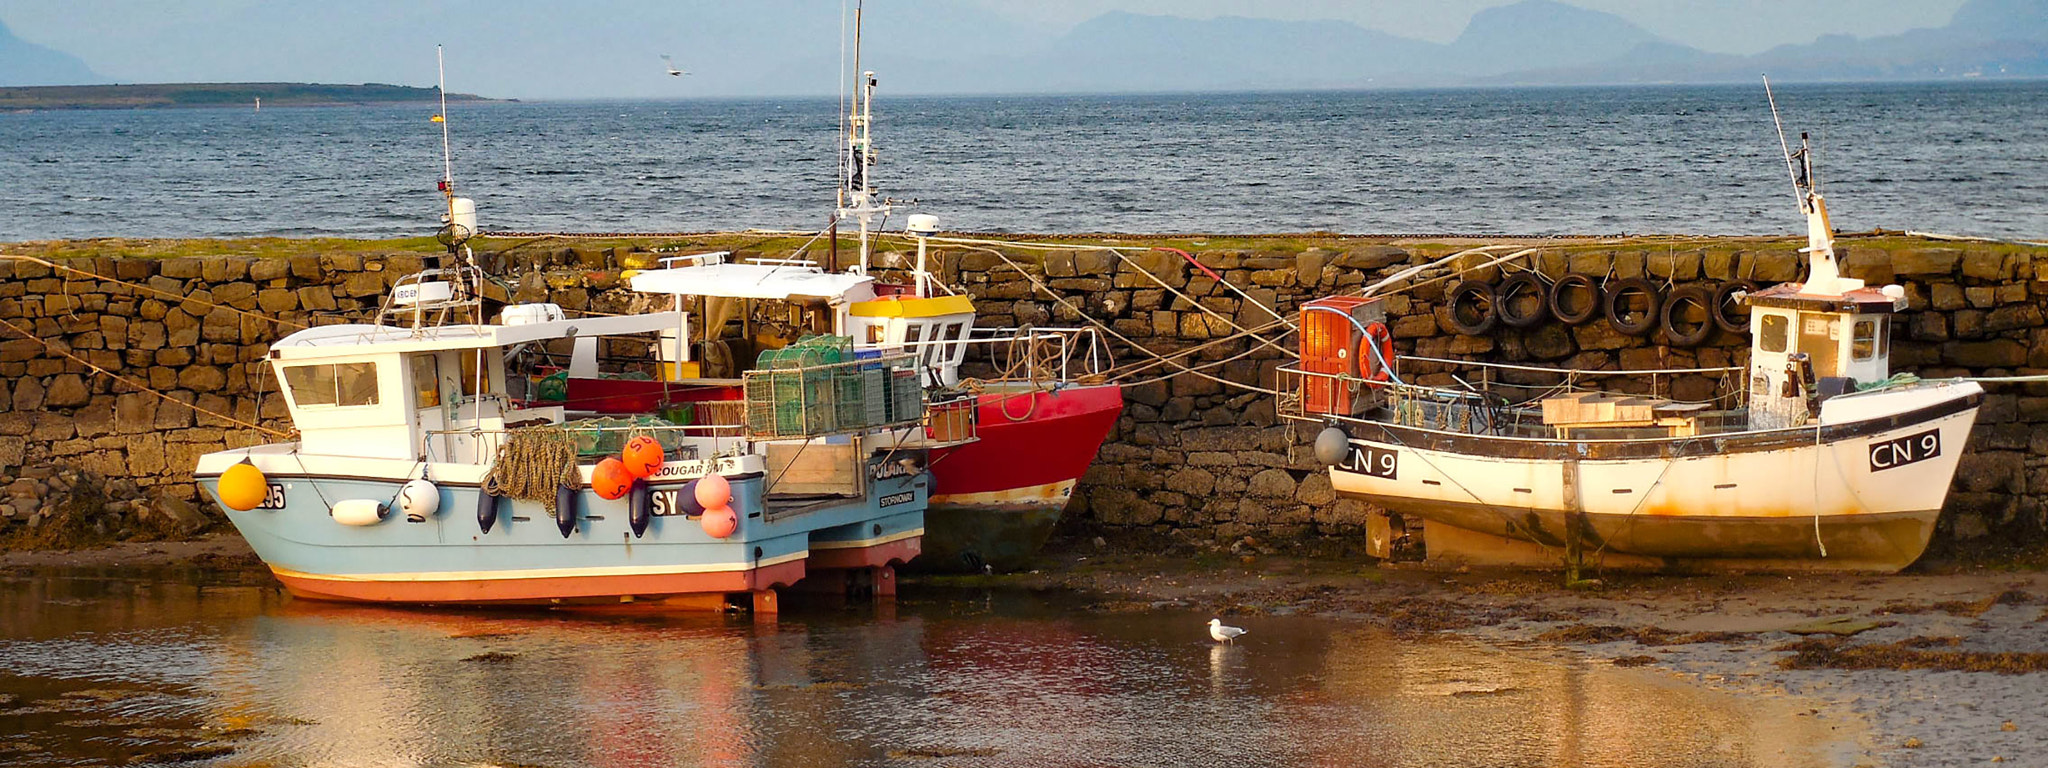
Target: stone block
x=202, y=378
x=1272, y=484
x=1946, y=296
x=316, y=298
x=306, y=267
x=67, y=391
x=28, y=395
x=182, y=268
x=1981, y=296
x=1996, y=353
x=1985, y=265
x=276, y=300
x=1926, y=261
x=266, y=270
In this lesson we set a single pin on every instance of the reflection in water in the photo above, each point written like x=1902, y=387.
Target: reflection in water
x=992, y=680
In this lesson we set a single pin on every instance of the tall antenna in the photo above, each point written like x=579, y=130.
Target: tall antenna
x=447, y=159
x=1798, y=193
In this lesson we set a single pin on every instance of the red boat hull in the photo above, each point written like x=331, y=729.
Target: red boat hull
x=996, y=500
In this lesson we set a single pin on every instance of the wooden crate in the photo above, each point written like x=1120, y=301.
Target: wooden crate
x=814, y=468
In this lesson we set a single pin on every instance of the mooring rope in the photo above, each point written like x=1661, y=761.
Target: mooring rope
x=533, y=464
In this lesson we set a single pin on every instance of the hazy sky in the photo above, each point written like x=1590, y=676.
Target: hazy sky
x=605, y=48
x=1722, y=26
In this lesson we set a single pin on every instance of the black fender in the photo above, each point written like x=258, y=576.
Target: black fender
x=640, y=507
x=486, y=510
x=565, y=509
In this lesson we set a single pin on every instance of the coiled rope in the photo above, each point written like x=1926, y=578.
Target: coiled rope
x=533, y=464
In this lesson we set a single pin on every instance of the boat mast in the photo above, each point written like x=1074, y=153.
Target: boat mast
x=1823, y=273
x=447, y=158
x=857, y=196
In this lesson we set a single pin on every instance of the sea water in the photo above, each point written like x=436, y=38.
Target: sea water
x=129, y=666
x=1969, y=158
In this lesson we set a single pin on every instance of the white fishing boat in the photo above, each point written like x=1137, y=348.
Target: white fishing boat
x=1830, y=464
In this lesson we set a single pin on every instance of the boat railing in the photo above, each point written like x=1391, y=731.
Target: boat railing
x=1035, y=353
x=1507, y=379
x=696, y=259
x=1474, y=407
x=437, y=291
x=1325, y=397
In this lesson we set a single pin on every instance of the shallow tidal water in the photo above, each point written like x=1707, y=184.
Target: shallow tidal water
x=106, y=669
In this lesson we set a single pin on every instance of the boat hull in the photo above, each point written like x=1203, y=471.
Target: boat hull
x=525, y=559
x=995, y=501
x=1861, y=493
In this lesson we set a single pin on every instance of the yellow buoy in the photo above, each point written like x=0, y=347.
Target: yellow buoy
x=243, y=487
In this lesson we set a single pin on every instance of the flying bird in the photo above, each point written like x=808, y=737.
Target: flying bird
x=672, y=71
x=1223, y=634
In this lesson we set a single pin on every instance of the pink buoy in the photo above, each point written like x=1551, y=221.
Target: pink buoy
x=719, y=521
x=714, y=491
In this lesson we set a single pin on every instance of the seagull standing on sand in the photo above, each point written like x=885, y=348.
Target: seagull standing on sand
x=672, y=71
x=1223, y=634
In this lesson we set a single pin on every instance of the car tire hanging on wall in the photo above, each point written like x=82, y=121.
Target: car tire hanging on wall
x=1738, y=320
x=1681, y=329
x=1472, y=308
x=1623, y=314
x=1575, y=298
x=1520, y=288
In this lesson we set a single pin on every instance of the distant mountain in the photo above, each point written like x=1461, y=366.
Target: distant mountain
x=1986, y=38
x=1126, y=52
x=1543, y=34
x=25, y=63
x=2002, y=19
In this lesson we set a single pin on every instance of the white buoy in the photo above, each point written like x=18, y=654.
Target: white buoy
x=419, y=500
x=359, y=512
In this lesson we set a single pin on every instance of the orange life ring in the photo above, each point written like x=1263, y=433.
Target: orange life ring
x=1376, y=368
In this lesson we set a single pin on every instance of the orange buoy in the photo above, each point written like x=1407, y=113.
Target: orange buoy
x=719, y=521
x=242, y=487
x=714, y=491
x=642, y=456
x=610, y=480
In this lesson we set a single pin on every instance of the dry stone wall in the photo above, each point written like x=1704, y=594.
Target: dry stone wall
x=1193, y=456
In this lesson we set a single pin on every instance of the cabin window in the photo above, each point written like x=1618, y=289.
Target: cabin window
x=1774, y=334
x=426, y=382
x=952, y=348
x=344, y=385
x=875, y=334
x=1884, y=337
x=1864, y=345
x=912, y=334
x=470, y=380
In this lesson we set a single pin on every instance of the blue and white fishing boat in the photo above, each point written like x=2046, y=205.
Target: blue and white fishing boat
x=413, y=475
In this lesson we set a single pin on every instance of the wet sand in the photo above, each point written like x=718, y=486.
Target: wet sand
x=1730, y=633
x=1884, y=650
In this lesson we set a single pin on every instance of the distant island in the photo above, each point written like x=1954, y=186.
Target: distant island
x=188, y=95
